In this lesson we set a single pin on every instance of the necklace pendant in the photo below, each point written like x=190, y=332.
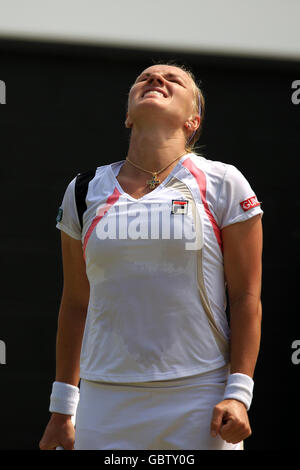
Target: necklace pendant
x=153, y=182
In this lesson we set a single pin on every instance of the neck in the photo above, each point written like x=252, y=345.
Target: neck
x=152, y=150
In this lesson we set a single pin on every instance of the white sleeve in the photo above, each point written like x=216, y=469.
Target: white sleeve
x=237, y=201
x=67, y=217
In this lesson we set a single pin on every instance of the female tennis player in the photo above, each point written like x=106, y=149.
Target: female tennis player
x=142, y=322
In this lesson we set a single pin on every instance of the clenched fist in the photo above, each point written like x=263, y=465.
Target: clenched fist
x=230, y=420
x=60, y=431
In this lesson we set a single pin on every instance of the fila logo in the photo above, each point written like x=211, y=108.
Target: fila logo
x=179, y=206
x=249, y=203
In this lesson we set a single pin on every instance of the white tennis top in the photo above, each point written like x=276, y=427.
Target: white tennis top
x=155, y=266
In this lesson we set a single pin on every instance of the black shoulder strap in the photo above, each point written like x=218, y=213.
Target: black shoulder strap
x=81, y=187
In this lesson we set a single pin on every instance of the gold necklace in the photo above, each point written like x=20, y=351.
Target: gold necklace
x=154, y=180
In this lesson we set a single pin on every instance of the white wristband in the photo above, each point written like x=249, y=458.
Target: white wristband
x=239, y=387
x=64, y=398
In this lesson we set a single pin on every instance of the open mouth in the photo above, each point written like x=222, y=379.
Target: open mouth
x=154, y=93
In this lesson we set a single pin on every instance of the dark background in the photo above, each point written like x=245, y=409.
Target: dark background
x=65, y=113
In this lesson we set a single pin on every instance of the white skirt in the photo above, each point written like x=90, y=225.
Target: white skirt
x=159, y=415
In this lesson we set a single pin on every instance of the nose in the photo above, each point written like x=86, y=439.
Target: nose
x=156, y=78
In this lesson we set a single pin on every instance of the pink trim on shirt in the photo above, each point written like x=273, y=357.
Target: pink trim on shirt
x=200, y=177
x=111, y=200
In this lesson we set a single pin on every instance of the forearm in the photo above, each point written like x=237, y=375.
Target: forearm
x=70, y=330
x=245, y=326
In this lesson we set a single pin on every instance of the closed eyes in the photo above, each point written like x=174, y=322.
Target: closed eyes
x=169, y=77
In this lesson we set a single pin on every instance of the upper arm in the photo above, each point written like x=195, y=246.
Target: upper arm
x=76, y=286
x=242, y=244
